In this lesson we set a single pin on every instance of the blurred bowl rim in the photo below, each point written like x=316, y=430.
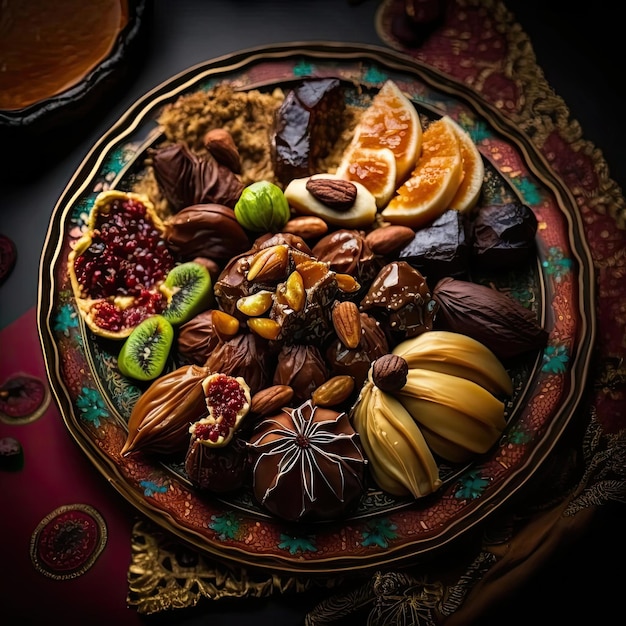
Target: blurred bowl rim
x=44, y=112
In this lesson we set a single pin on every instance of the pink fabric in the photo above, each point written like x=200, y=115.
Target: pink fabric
x=55, y=473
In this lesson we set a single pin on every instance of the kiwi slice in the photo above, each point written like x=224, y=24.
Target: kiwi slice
x=189, y=289
x=145, y=351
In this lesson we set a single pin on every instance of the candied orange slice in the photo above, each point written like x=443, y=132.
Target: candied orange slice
x=375, y=169
x=467, y=194
x=433, y=183
x=390, y=121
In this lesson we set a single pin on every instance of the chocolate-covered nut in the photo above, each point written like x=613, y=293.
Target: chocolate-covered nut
x=400, y=296
x=233, y=284
x=205, y=230
x=356, y=362
x=293, y=241
x=186, y=178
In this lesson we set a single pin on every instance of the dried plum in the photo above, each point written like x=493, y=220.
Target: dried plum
x=503, y=236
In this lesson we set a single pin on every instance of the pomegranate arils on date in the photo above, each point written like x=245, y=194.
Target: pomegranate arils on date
x=225, y=398
x=110, y=317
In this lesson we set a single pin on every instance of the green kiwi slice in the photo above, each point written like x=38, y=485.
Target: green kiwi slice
x=189, y=289
x=145, y=351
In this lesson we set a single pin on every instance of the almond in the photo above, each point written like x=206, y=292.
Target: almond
x=269, y=264
x=271, y=399
x=306, y=226
x=347, y=323
x=334, y=193
x=219, y=142
x=334, y=391
x=388, y=240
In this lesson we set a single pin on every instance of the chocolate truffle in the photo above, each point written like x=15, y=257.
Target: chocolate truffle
x=307, y=464
x=503, y=236
x=218, y=469
x=440, y=249
x=302, y=367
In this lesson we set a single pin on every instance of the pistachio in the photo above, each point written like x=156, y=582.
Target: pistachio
x=292, y=292
x=256, y=303
x=226, y=326
x=264, y=327
x=262, y=207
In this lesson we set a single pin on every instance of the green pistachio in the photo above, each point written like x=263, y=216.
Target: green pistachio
x=262, y=207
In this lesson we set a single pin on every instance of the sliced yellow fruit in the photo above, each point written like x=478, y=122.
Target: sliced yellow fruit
x=468, y=192
x=434, y=181
x=375, y=169
x=390, y=121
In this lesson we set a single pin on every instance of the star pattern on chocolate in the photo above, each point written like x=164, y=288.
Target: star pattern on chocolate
x=317, y=446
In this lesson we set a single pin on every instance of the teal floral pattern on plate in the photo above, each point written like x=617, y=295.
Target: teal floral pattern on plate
x=96, y=401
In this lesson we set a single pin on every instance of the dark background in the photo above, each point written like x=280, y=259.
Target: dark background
x=580, y=49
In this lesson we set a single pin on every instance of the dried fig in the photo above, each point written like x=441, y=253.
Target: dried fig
x=159, y=422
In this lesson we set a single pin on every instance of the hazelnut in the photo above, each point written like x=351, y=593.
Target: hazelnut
x=389, y=372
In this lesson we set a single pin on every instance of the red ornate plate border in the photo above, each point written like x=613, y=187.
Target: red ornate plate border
x=543, y=410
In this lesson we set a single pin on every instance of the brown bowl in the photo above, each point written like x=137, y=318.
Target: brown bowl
x=36, y=124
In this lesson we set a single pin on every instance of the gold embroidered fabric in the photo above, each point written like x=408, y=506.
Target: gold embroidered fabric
x=164, y=575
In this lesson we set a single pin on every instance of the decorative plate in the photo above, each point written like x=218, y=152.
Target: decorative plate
x=96, y=400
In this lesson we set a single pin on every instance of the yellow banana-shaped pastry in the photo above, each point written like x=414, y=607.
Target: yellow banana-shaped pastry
x=458, y=393
x=458, y=355
x=450, y=433
x=400, y=460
